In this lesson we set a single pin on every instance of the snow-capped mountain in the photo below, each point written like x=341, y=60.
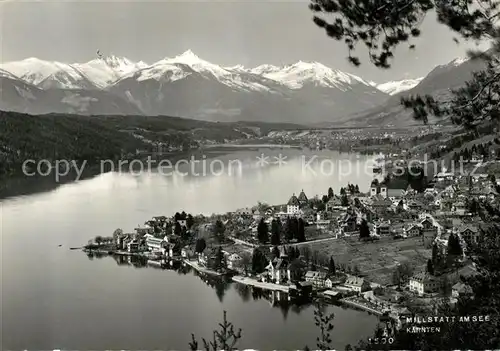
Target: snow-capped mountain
x=105, y=71
x=95, y=74
x=186, y=64
x=190, y=86
x=398, y=86
x=298, y=75
x=186, y=85
x=47, y=74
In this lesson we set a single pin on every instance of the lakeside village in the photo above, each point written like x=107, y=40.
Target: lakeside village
x=393, y=251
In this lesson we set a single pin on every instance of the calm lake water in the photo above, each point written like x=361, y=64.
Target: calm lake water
x=54, y=298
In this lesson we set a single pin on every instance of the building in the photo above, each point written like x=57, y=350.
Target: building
x=278, y=271
x=123, y=240
x=293, y=206
x=460, y=289
x=469, y=233
x=329, y=282
x=357, y=284
x=415, y=205
x=316, y=278
x=173, y=250
x=187, y=252
x=141, y=231
x=424, y=283
x=378, y=189
x=156, y=244
x=302, y=198
x=412, y=229
x=133, y=246
x=244, y=211
x=380, y=205
x=395, y=189
x=350, y=223
x=334, y=203
x=382, y=228
x=444, y=176
x=430, y=231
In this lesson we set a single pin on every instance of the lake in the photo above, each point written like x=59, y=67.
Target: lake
x=54, y=298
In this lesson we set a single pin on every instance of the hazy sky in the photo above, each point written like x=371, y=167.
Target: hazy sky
x=227, y=33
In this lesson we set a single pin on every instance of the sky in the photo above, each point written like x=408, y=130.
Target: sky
x=227, y=33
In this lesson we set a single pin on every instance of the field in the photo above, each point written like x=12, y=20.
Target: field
x=376, y=260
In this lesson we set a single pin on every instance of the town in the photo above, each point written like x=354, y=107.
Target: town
x=394, y=250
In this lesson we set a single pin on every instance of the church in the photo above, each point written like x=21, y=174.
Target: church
x=296, y=203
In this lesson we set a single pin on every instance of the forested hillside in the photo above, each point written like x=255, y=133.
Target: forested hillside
x=54, y=137
x=95, y=138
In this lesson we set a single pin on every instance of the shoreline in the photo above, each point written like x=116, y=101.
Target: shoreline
x=346, y=301
x=262, y=285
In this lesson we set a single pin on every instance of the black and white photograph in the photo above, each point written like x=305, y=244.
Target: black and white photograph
x=250, y=175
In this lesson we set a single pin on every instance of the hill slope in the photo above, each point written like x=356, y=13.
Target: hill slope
x=437, y=83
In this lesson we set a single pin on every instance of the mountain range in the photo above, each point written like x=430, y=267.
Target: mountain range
x=186, y=85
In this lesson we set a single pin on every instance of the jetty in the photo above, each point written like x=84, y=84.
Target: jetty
x=202, y=269
x=262, y=285
x=334, y=295
x=351, y=303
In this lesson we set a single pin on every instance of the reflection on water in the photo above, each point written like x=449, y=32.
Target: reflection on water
x=220, y=284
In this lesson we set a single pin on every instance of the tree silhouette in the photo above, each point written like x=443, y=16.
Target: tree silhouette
x=259, y=261
x=331, y=267
x=344, y=200
x=177, y=228
x=276, y=252
x=301, y=235
x=219, y=230
x=262, y=232
x=275, y=232
x=224, y=339
x=454, y=246
x=189, y=221
x=430, y=267
x=330, y=193
x=201, y=245
x=364, y=230
x=323, y=321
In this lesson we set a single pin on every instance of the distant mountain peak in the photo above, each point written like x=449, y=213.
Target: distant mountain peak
x=300, y=73
x=187, y=57
x=458, y=61
x=116, y=61
x=236, y=68
x=398, y=86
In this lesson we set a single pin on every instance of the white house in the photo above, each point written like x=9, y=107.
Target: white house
x=278, y=270
x=233, y=260
x=376, y=189
x=357, y=284
x=460, y=289
x=133, y=246
x=469, y=233
x=317, y=278
x=156, y=244
x=293, y=206
x=382, y=228
x=422, y=283
x=329, y=282
x=412, y=229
